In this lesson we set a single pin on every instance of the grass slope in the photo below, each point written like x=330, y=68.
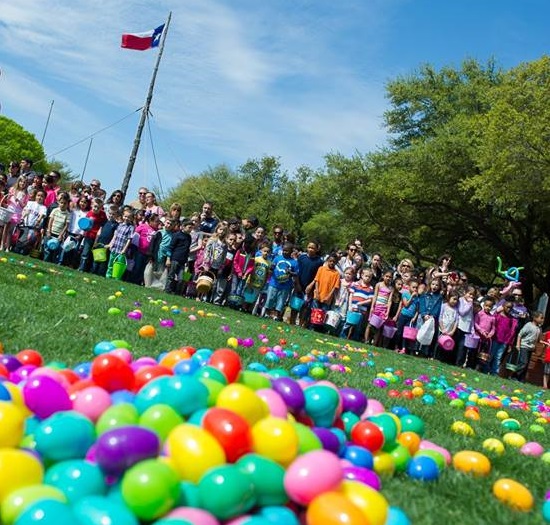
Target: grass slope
x=37, y=313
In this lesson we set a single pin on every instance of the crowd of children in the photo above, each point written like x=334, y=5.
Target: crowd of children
x=431, y=313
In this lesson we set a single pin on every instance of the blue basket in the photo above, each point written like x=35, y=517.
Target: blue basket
x=250, y=295
x=353, y=318
x=296, y=302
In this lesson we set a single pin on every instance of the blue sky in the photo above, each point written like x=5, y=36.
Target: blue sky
x=239, y=79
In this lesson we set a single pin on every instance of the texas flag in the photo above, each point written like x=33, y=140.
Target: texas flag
x=142, y=41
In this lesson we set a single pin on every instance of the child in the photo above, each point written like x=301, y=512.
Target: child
x=407, y=315
x=178, y=253
x=283, y=277
x=99, y=218
x=58, y=224
x=380, y=306
x=484, y=324
x=342, y=297
x=360, y=300
x=71, y=245
x=121, y=240
x=144, y=233
x=464, y=355
x=16, y=201
x=448, y=320
x=505, y=331
x=198, y=267
x=325, y=285
x=243, y=266
x=155, y=274
x=223, y=281
x=257, y=278
x=104, y=237
x=33, y=217
x=528, y=337
x=393, y=314
x=429, y=307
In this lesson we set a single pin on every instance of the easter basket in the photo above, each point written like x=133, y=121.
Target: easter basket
x=512, y=363
x=205, y=282
x=5, y=214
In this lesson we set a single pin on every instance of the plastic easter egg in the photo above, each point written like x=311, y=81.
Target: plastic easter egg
x=192, y=515
x=513, y=494
x=469, y=461
x=228, y=362
x=100, y=510
x=214, y=388
x=111, y=373
x=232, y=342
x=30, y=357
x=193, y=451
x=184, y=394
x=92, y=401
x=358, y=456
x=462, y=428
x=18, y=468
x=514, y=439
x=161, y=419
x=423, y=468
x=412, y=423
x=435, y=455
x=322, y=404
x=136, y=315
x=267, y=477
x=120, y=448
x=254, y=379
x=353, y=400
x=362, y=475
x=428, y=445
x=372, y=503
x=410, y=440
x=291, y=393
x=145, y=374
x=274, y=401
x=276, y=439
x=150, y=489
x=368, y=435
x=167, y=323
x=209, y=372
x=329, y=439
x=277, y=515
x=334, y=508
x=12, y=423
x=311, y=474
x=397, y=517
x=510, y=424
x=401, y=456
x=47, y=512
x=114, y=311
x=532, y=448
x=65, y=435
x=307, y=439
x=383, y=463
x=244, y=401
x=70, y=293
x=493, y=445
x=76, y=478
x=21, y=499
x=45, y=396
x=147, y=331
x=231, y=430
x=226, y=492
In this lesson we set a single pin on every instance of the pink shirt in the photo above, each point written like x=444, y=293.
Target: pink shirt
x=484, y=323
x=505, y=329
x=145, y=232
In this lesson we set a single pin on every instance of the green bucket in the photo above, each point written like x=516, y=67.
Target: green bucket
x=119, y=266
x=99, y=254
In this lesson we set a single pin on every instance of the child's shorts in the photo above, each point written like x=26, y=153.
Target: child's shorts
x=276, y=299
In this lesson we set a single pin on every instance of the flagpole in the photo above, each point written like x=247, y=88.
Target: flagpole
x=144, y=114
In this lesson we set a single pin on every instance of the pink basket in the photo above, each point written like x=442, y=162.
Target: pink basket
x=446, y=342
x=410, y=332
x=471, y=341
x=376, y=321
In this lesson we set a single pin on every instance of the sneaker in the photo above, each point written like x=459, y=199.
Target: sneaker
x=402, y=351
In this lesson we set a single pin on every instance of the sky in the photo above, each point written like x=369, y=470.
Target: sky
x=239, y=79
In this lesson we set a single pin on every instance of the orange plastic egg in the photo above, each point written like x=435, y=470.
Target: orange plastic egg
x=513, y=494
x=469, y=461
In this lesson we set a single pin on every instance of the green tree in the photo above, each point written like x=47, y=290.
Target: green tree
x=17, y=143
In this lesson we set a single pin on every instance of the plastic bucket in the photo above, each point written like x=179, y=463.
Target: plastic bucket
x=99, y=254
x=376, y=321
x=409, y=333
x=296, y=302
x=85, y=223
x=389, y=330
x=235, y=299
x=249, y=295
x=53, y=244
x=332, y=319
x=317, y=316
x=446, y=342
x=471, y=341
x=353, y=318
x=119, y=266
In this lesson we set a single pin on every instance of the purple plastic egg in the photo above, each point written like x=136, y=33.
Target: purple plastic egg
x=291, y=392
x=135, y=315
x=167, y=323
x=118, y=449
x=44, y=396
x=10, y=362
x=353, y=400
x=363, y=475
x=328, y=439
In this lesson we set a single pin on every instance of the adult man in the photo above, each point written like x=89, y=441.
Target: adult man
x=139, y=203
x=208, y=221
x=97, y=191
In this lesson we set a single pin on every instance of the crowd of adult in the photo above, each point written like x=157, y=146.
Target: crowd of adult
x=431, y=312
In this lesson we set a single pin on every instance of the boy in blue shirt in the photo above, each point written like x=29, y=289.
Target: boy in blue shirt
x=284, y=277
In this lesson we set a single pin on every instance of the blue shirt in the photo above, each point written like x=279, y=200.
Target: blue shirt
x=410, y=310
x=308, y=267
x=283, y=271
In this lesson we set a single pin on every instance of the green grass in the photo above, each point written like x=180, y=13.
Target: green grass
x=65, y=329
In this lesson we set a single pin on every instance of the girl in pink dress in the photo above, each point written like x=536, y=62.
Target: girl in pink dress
x=380, y=307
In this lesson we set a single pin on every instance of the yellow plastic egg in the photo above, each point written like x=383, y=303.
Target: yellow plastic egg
x=502, y=414
x=513, y=494
x=118, y=294
x=472, y=414
x=541, y=421
x=21, y=276
x=469, y=461
x=417, y=391
x=383, y=463
x=493, y=445
x=514, y=439
x=460, y=427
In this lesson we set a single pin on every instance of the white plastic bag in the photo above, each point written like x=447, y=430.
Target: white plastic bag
x=426, y=332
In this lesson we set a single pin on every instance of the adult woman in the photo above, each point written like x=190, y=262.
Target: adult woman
x=116, y=198
x=151, y=205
